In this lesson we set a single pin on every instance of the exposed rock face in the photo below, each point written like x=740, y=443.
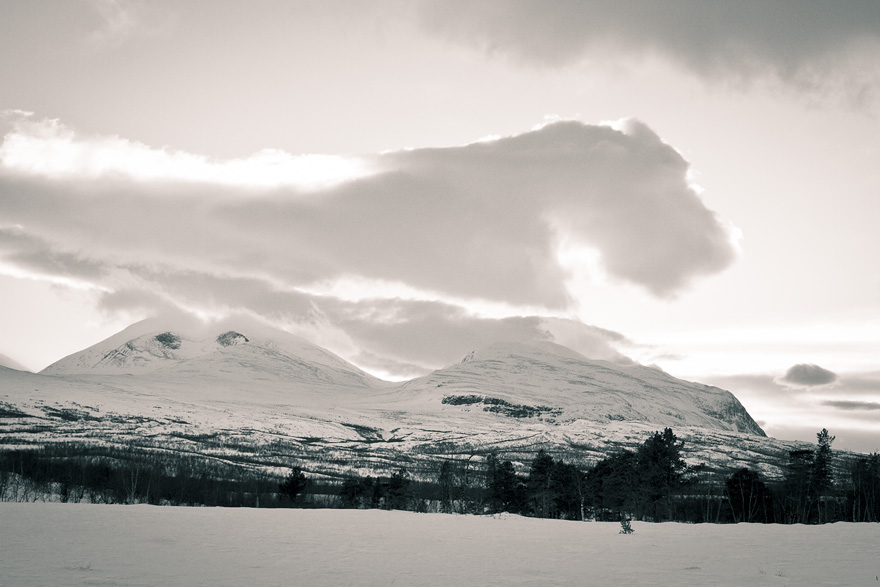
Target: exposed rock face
x=231, y=338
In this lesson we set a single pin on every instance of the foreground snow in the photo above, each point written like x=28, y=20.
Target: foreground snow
x=81, y=544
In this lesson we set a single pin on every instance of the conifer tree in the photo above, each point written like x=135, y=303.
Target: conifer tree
x=540, y=485
x=398, y=493
x=661, y=471
x=294, y=484
x=823, y=478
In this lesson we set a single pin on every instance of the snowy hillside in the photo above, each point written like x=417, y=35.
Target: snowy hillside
x=255, y=351
x=551, y=381
x=245, y=391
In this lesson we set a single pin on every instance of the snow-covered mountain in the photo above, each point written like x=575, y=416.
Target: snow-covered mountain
x=544, y=379
x=243, y=385
x=163, y=351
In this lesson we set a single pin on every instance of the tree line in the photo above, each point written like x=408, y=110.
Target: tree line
x=101, y=474
x=652, y=483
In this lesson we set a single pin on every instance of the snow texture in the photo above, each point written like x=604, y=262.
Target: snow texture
x=83, y=544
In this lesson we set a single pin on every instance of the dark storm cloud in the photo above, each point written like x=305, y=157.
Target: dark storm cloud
x=806, y=43
x=806, y=375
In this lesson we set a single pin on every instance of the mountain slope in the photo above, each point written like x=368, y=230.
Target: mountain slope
x=254, y=394
x=11, y=363
x=250, y=353
x=552, y=381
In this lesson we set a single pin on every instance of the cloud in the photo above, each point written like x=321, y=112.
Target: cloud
x=852, y=405
x=412, y=337
x=50, y=149
x=482, y=221
x=804, y=375
x=863, y=383
x=394, y=337
x=811, y=44
x=848, y=409
x=438, y=234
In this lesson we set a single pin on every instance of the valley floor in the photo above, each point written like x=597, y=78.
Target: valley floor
x=82, y=544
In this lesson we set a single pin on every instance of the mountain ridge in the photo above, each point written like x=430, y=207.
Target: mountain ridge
x=552, y=378
x=206, y=390
x=534, y=379
x=155, y=348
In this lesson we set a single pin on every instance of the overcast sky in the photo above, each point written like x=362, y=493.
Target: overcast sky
x=694, y=185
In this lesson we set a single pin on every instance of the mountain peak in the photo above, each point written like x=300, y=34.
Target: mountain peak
x=536, y=349
x=152, y=348
x=544, y=377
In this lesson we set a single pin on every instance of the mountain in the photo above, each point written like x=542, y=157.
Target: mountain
x=11, y=363
x=247, y=393
x=163, y=351
x=546, y=379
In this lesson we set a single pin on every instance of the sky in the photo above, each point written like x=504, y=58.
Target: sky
x=691, y=185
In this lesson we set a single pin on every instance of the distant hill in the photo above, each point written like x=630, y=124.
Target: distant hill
x=11, y=363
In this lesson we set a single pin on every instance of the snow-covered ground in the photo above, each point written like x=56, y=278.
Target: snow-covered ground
x=80, y=544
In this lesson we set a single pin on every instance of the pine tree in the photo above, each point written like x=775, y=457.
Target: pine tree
x=823, y=478
x=351, y=494
x=568, y=491
x=540, y=485
x=398, y=495
x=611, y=486
x=661, y=470
x=294, y=484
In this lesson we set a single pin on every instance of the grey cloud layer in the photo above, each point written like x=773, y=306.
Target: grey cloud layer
x=804, y=42
x=847, y=385
x=851, y=405
x=480, y=221
x=403, y=338
x=476, y=222
x=808, y=376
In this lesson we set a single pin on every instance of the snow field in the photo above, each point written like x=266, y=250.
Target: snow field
x=82, y=544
